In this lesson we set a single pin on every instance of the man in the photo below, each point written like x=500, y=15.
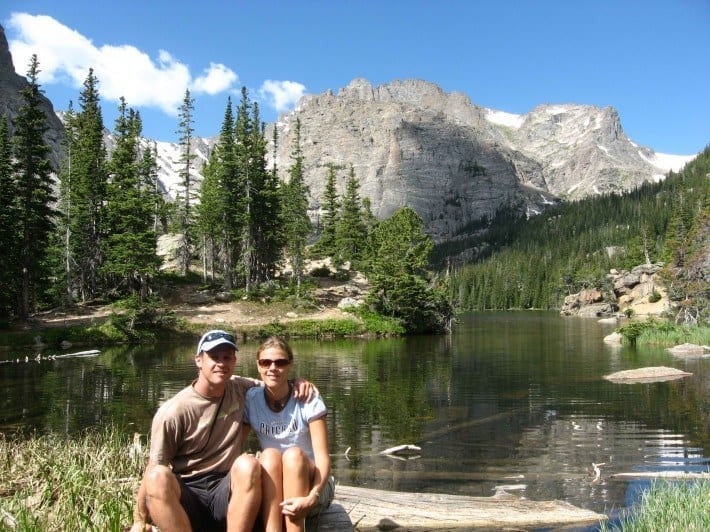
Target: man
x=197, y=476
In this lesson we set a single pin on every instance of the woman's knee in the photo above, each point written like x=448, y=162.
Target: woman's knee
x=294, y=459
x=270, y=459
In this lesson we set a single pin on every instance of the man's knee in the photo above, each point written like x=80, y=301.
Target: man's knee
x=159, y=480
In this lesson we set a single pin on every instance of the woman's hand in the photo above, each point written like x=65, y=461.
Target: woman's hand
x=299, y=506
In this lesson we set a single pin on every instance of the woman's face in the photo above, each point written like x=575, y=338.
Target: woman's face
x=274, y=366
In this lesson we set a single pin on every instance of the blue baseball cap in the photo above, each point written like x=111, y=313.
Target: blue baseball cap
x=212, y=339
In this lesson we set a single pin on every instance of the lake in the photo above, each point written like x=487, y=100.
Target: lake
x=509, y=398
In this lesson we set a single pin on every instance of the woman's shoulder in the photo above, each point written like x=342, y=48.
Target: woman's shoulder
x=254, y=392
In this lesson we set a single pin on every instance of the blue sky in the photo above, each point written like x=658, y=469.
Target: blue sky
x=648, y=59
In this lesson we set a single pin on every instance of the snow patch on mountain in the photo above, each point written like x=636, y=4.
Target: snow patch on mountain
x=668, y=162
x=502, y=118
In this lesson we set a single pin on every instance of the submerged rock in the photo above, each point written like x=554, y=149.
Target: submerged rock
x=645, y=375
x=690, y=350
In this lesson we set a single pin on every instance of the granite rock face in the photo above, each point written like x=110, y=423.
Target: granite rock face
x=411, y=143
x=11, y=101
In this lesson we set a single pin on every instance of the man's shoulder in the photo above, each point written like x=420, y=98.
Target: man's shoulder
x=243, y=383
x=186, y=395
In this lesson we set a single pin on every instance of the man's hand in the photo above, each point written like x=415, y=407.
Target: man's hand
x=304, y=390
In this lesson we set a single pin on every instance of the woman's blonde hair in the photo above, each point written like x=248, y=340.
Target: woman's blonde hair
x=277, y=342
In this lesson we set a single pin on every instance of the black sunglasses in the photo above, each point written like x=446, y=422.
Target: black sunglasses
x=280, y=362
x=218, y=336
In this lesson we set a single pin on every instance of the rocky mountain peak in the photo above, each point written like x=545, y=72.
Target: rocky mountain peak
x=411, y=143
x=6, y=65
x=11, y=100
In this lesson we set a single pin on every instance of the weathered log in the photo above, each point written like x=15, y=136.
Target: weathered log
x=359, y=509
x=666, y=475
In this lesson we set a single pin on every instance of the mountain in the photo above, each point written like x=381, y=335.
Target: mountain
x=11, y=101
x=411, y=143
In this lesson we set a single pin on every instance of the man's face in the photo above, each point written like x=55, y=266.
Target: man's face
x=216, y=366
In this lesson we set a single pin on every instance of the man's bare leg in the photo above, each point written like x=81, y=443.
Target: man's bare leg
x=245, y=497
x=141, y=517
x=163, y=499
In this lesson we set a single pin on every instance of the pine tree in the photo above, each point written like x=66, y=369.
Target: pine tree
x=330, y=209
x=401, y=285
x=350, y=230
x=130, y=244
x=185, y=215
x=265, y=214
x=243, y=187
x=148, y=169
x=210, y=219
x=83, y=190
x=370, y=224
x=222, y=201
x=33, y=174
x=297, y=224
x=64, y=205
x=9, y=226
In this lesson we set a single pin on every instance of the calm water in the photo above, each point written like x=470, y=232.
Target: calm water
x=509, y=398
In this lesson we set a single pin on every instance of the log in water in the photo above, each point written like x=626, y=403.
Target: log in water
x=357, y=508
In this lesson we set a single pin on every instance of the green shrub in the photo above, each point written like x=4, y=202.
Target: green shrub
x=378, y=324
x=312, y=328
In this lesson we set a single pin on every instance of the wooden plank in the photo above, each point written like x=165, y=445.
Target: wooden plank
x=364, y=509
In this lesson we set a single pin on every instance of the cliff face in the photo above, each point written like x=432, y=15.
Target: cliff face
x=583, y=150
x=11, y=101
x=410, y=143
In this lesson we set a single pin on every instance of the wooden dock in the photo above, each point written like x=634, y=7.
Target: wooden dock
x=370, y=509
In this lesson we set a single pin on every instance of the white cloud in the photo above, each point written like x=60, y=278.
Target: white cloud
x=217, y=78
x=282, y=95
x=65, y=56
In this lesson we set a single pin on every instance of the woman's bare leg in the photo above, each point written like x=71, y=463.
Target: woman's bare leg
x=272, y=490
x=297, y=472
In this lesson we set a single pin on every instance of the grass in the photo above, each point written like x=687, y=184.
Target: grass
x=677, y=335
x=49, y=482
x=669, y=507
x=664, y=333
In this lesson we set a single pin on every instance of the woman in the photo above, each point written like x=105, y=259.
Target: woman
x=293, y=436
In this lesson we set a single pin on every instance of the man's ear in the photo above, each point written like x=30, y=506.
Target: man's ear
x=198, y=360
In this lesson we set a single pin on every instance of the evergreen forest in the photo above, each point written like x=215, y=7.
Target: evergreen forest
x=240, y=228
x=521, y=263
x=92, y=236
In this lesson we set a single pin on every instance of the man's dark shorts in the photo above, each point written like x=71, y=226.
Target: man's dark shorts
x=205, y=499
